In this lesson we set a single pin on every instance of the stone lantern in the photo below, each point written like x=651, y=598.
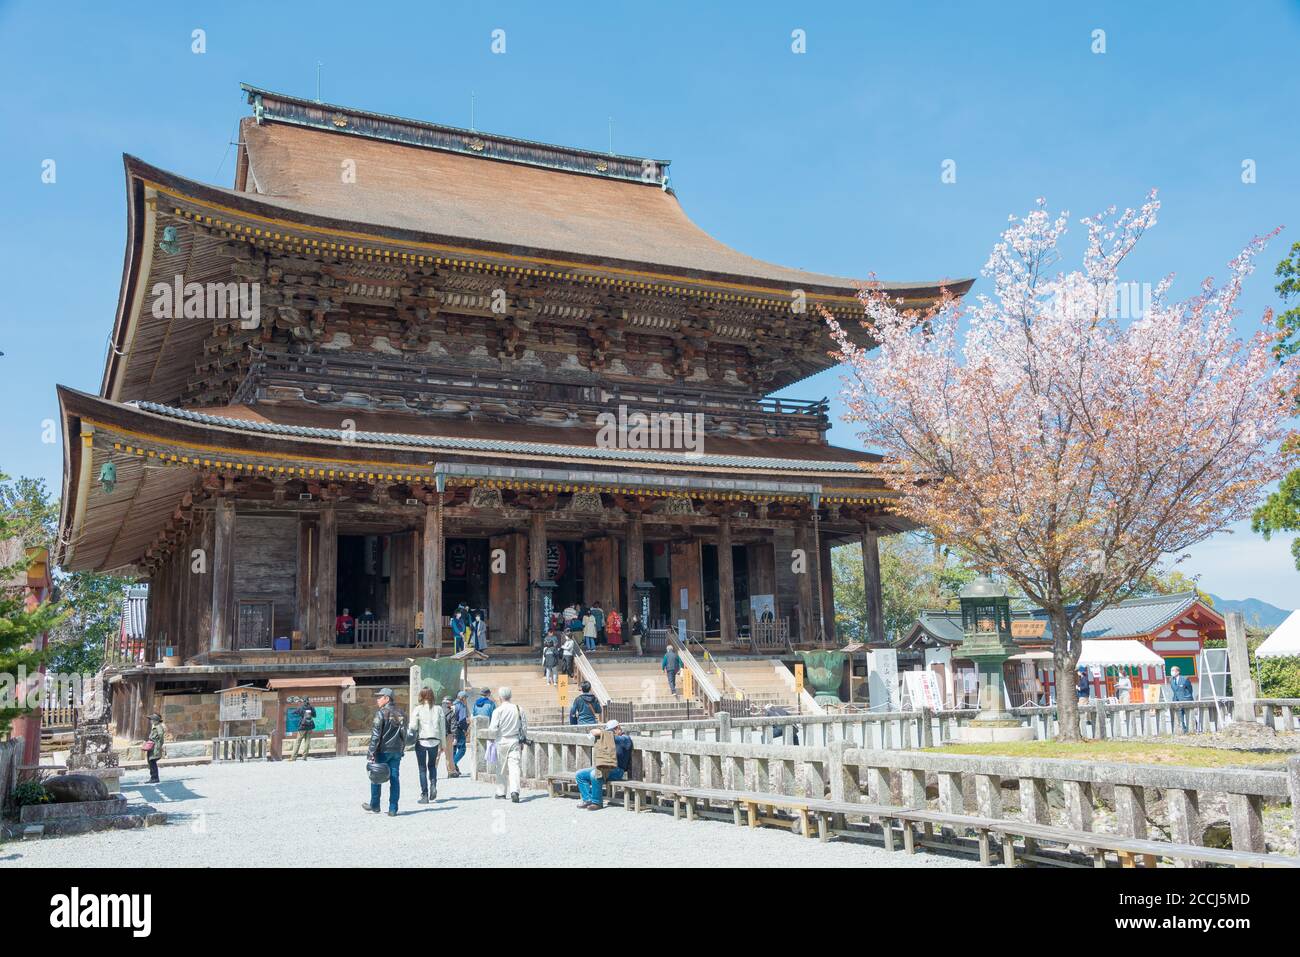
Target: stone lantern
x=986, y=629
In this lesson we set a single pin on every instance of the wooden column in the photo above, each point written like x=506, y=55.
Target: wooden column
x=327, y=569
x=804, y=580
x=433, y=571
x=223, y=577
x=536, y=573
x=871, y=582
x=726, y=585
x=305, y=620
x=203, y=589
x=635, y=566
x=828, y=591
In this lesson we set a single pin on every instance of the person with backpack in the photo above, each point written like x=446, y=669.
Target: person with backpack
x=511, y=729
x=428, y=730
x=459, y=729
x=611, y=760
x=484, y=705
x=306, y=725
x=671, y=664
x=387, y=744
x=585, y=708
x=551, y=660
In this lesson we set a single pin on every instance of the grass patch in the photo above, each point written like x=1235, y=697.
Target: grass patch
x=1125, y=752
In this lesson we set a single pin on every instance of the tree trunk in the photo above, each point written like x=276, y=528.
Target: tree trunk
x=1065, y=659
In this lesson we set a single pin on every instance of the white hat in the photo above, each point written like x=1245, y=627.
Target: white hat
x=611, y=725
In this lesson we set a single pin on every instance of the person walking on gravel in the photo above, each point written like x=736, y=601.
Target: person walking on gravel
x=429, y=730
x=387, y=743
x=511, y=728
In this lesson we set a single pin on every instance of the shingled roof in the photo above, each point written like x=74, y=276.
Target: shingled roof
x=1134, y=618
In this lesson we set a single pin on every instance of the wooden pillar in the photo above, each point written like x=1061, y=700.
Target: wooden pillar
x=828, y=591
x=305, y=620
x=536, y=573
x=871, y=582
x=803, y=541
x=203, y=590
x=223, y=577
x=635, y=564
x=433, y=571
x=327, y=567
x=726, y=585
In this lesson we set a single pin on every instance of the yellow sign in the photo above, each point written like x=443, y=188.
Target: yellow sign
x=798, y=679
x=1028, y=628
x=688, y=683
x=562, y=686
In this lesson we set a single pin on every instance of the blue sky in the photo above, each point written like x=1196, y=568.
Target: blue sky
x=828, y=160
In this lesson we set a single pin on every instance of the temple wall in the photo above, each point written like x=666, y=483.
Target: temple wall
x=266, y=566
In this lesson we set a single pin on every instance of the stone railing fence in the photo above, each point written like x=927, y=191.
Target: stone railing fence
x=964, y=783
x=925, y=728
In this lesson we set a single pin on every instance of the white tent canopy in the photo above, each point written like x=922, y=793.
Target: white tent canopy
x=1285, y=640
x=1117, y=652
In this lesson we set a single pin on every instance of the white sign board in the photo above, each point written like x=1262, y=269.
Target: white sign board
x=922, y=690
x=241, y=704
x=882, y=680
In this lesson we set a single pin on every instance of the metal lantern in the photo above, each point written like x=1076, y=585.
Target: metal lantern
x=108, y=477
x=986, y=626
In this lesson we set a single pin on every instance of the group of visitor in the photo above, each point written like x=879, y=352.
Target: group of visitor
x=469, y=628
x=592, y=624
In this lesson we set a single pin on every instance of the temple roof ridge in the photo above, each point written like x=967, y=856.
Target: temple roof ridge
x=269, y=106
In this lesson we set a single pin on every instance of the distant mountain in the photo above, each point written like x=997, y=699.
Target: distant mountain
x=1258, y=614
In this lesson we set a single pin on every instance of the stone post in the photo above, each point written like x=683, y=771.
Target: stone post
x=1293, y=782
x=724, y=726
x=1243, y=685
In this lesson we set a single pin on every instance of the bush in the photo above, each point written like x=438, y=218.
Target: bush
x=1279, y=678
x=31, y=792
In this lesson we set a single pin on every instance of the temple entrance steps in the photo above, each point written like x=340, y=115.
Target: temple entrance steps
x=642, y=682
x=764, y=681
x=528, y=689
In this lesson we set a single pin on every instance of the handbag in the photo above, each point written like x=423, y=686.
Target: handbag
x=492, y=752
x=147, y=747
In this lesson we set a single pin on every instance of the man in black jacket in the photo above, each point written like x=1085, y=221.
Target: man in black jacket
x=387, y=742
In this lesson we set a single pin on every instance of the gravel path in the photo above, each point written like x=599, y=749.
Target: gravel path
x=310, y=814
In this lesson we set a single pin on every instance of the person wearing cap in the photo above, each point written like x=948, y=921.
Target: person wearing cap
x=449, y=724
x=511, y=728
x=157, y=737
x=387, y=743
x=306, y=725
x=484, y=705
x=611, y=760
x=459, y=729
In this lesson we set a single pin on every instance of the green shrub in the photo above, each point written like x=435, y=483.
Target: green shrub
x=1279, y=677
x=31, y=792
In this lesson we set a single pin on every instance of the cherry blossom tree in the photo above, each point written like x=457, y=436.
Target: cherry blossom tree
x=1059, y=443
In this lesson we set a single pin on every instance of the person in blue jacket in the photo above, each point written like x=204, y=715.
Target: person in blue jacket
x=1180, y=689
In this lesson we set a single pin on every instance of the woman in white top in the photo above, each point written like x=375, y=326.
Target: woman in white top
x=589, y=630
x=428, y=726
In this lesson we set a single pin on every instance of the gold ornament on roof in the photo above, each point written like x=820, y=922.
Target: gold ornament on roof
x=339, y=120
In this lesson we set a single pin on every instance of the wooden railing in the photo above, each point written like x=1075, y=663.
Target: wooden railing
x=379, y=634
x=771, y=637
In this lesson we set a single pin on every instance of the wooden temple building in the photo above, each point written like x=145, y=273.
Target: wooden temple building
x=409, y=420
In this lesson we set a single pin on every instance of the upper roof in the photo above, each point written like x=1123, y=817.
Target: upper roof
x=425, y=178
x=1134, y=618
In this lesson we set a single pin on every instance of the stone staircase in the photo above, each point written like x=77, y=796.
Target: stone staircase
x=642, y=682
x=528, y=689
x=764, y=681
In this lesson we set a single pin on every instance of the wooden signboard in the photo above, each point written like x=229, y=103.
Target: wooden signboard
x=1028, y=628
x=240, y=704
x=562, y=686
x=688, y=684
x=798, y=680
